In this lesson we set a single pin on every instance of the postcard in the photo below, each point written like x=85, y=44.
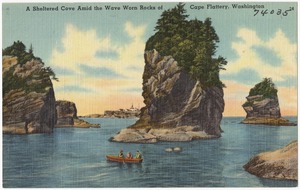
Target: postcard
x=149, y=94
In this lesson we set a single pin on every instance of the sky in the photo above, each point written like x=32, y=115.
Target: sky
x=98, y=55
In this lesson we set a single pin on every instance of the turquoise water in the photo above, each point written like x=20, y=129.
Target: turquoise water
x=74, y=157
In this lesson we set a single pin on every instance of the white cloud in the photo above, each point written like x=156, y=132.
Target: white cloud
x=81, y=47
x=248, y=58
x=249, y=37
x=133, y=31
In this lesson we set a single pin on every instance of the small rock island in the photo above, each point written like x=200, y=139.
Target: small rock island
x=67, y=116
x=262, y=105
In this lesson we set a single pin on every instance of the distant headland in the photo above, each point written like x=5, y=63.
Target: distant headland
x=131, y=112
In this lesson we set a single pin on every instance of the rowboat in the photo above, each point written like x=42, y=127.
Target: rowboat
x=123, y=160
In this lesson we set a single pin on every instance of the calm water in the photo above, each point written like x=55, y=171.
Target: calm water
x=73, y=157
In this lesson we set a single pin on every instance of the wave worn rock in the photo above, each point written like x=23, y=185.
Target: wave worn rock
x=262, y=106
x=258, y=106
x=66, y=112
x=28, y=98
x=67, y=116
x=279, y=164
x=177, y=107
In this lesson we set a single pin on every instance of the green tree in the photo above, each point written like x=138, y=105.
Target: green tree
x=191, y=43
x=12, y=81
x=266, y=88
x=30, y=51
x=170, y=30
x=172, y=21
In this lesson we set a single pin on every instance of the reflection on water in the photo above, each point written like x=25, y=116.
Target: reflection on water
x=74, y=157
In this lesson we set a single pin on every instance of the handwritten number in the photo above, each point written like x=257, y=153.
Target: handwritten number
x=286, y=11
x=279, y=12
x=263, y=12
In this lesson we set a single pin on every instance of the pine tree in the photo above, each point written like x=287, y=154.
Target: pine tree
x=266, y=88
x=191, y=43
x=30, y=49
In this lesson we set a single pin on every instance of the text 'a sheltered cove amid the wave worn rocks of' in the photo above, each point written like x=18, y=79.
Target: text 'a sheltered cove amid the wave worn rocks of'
x=96, y=8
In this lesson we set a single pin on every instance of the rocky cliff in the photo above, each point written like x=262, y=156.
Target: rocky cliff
x=28, y=97
x=67, y=116
x=177, y=107
x=262, y=105
x=278, y=164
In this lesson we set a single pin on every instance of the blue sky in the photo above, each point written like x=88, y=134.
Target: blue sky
x=98, y=55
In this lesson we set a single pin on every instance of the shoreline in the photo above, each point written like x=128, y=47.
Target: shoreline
x=82, y=117
x=268, y=121
x=151, y=135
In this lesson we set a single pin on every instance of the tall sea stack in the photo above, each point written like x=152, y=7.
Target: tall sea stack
x=28, y=96
x=181, y=87
x=177, y=107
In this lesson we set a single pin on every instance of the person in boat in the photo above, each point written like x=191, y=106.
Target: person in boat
x=138, y=155
x=129, y=155
x=121, y=155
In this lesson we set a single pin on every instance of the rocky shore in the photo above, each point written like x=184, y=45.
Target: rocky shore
x=153, y=135
x=79, y=123
x=278, y=164
x=268, y=121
